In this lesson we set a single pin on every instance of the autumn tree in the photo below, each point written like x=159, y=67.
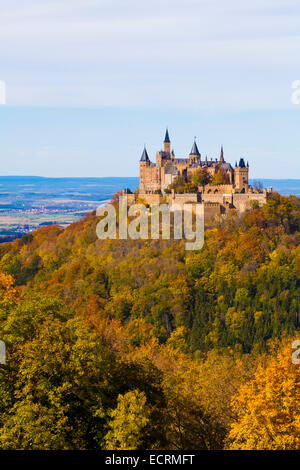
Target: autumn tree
x=8, y=292
x=219, y=178
x=267, y=408
x=200, y=177
x=128, y=422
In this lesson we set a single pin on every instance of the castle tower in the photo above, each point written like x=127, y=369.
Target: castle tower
x=144, y=164
x=241, y=176
x=167, y=143
x=195, y=155
x=144, y=158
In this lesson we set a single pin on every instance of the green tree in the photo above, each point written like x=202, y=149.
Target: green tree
x=200, y=177
x=219, y=178
x=128, y=422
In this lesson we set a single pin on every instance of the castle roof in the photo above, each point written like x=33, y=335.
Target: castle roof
x=172, y=170
x=242, y=163
x=195, y=150
x=226, y=166
x=167, y=138
x=144, y=157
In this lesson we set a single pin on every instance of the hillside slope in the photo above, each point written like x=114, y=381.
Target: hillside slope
x=96, y=330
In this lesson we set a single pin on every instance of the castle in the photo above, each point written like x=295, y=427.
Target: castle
x=212, y=182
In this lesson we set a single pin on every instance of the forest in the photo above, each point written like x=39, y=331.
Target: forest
x=139, y=344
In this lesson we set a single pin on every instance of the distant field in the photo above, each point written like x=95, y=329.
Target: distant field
x=7, y=220
x=28, y=202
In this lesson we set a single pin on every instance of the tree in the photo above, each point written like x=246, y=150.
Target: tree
x=128, y=422
x=201, y=177
x=219, y=178
x=60, y=385
x=178, y=184
x=267, y=409
x=8, y=293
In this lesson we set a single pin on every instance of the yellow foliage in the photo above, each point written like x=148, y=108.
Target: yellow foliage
x=267, y=408
x=8, y=293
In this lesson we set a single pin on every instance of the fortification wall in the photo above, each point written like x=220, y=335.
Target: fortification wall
x=220, y=188
x=151, y=198
x=211, y=210
x=211, y=197
x=239, y=201
x=243, y=201
x=184, y=198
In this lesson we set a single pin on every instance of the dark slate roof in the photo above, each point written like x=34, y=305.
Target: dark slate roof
x=144, y=157
x=172, y=170
x=226, y=166
x=195, y=150
x=208, y=163
x=242, y=163
x=164, y=154
x=167, y=138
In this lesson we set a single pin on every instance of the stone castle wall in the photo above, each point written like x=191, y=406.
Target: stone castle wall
x=150, y=177
x=224, y=202
x=222, y=188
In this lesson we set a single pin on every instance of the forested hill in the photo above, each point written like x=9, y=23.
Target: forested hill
x=239, y=290
x=93, y=327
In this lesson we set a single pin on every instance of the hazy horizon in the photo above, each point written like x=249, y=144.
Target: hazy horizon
x=124, y=177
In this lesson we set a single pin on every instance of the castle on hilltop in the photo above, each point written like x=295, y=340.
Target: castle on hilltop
x=160, y=175
x=213, y=182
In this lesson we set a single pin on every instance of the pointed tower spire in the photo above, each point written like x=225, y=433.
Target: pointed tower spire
x=195, y=150
x=222, y=154
x=144, y=157
x=167, y=138
x=167, y=143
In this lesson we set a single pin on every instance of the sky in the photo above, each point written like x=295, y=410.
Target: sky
x=89, y=82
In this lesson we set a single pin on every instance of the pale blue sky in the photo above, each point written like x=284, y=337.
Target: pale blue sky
x=89, y=81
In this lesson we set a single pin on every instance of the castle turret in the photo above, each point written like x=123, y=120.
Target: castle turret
x=241, y=175
x=167, y=143
x=150, y=174
x=194, y=153
x=144, y=157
